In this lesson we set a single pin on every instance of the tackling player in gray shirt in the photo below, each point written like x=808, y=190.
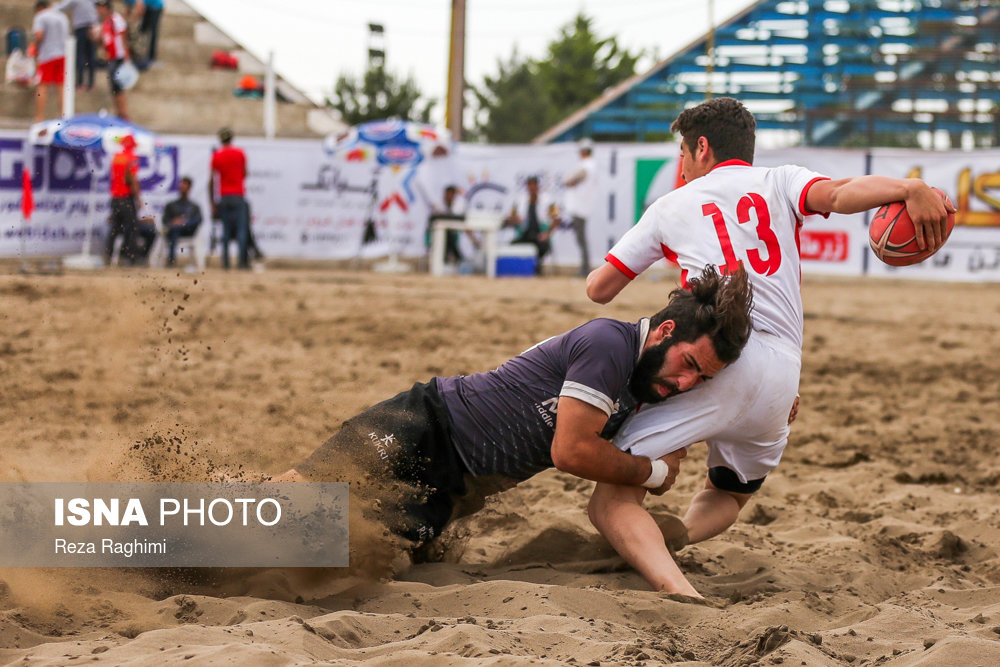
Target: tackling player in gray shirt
x=431, y=453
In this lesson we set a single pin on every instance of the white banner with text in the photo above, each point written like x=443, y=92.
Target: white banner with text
x=309, y=203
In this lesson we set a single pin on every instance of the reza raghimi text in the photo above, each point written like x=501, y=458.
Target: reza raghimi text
x=171, y=511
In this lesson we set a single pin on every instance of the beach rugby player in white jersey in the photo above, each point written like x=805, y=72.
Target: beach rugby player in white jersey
x=730, y=214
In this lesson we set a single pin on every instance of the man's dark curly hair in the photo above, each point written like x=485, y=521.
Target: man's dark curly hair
x=729, y=127
x=715, y=305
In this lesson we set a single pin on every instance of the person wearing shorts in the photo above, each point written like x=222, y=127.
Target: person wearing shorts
x=431, y=453
x=113, y=36
x=736, y=216
x=49, y=29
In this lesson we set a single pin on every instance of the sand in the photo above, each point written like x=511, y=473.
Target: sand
x=875, y=542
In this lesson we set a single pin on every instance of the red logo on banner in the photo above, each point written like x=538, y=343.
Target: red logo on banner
x=824, y=246
x=27, y=195
x=394, y=198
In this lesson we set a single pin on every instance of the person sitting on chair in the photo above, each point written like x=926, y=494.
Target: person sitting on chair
x=527, y=216
x=181, y=218
x=449, y=209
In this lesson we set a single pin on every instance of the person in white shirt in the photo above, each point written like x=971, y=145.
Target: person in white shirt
x=49, y=29
x=730, y=214
x=581, y=196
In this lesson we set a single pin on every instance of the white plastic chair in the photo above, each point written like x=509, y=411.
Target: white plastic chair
x=194, y=247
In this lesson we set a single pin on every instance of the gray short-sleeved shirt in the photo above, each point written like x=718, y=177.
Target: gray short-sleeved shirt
x=84, y=12
x=54, y=27
x=502, y=421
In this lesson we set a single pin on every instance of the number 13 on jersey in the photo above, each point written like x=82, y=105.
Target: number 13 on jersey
x=764, y=265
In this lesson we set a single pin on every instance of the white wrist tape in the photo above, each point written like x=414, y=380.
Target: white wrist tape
x=659, y=474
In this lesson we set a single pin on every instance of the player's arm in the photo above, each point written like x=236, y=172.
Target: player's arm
x=928, y=211
x=132, y=182
x=36, y=40
x=195, y=216
x=213, y=205
x=605, y=282
x=577, y=177
x=636, y=251
x=617, y=512
x=579, y=449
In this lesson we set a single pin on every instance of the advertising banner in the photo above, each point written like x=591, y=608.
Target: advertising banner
x=311, y=200
x=972, y=181
x=70, y=191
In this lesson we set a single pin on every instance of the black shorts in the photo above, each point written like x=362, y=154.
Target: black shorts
x=113, y=66
x=399, y=448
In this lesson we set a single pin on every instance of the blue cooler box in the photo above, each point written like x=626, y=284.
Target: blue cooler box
x=517, y=260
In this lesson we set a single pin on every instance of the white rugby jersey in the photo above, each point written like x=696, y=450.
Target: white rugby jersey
x=736, y=214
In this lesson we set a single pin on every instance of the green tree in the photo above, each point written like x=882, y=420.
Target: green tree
x=528, y=96
x=513, y=106
x=580, y=66
x=378, y=95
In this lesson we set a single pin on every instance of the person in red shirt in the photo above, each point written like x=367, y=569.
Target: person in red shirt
x=230, y=204
x=124, y=193
x=113, y=36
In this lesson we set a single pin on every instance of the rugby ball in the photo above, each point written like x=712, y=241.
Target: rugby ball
x=893, y=238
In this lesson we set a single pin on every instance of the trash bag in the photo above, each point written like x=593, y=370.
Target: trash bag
x=20, y=68
x=127, y=75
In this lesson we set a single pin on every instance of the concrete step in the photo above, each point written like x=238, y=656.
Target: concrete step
x=17, y=14
x=246, y=117
x=179, y=113
x=183, y=51
x=173, y=25
x=192, y=80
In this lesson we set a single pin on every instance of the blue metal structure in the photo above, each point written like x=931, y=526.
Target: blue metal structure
x=827, y=73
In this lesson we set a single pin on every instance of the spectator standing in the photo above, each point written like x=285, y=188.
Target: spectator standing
x=124, y=195
x=49, y=29
x=581, y=192
x=150, y=27
x=230, y=163
x=132, y=11
x=113, y=29
x=527, y=217
x=181, y=218
x=83, y=17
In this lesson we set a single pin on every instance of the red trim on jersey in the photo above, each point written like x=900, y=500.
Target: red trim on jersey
x=672, y=257
x=798, y=247
x=802, y=198
x=731, y=163
x=618, y=264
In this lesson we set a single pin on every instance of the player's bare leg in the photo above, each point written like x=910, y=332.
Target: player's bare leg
x=617, y=512
x=712, y=511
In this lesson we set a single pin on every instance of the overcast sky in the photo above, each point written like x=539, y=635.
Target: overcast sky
x=315, y=41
